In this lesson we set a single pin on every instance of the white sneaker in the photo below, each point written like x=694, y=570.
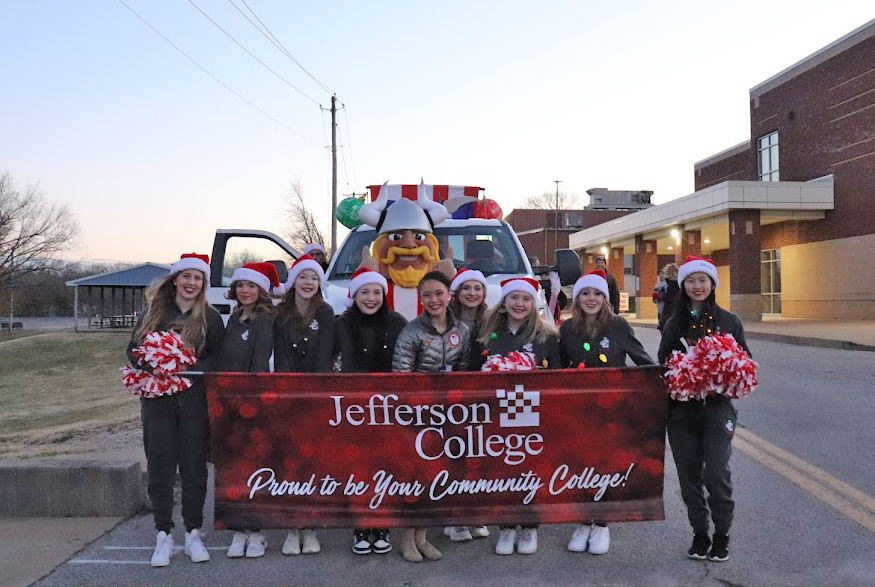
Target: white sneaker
x=479, y=531
x=311, y=543
x=255, y=545
x=238, y=545
x=292, y=545
x=194, y=547
x=506, y=540
x=599, y=539
x=528, y=543
x=163, y=550
x=459, y=534
x=579, y=538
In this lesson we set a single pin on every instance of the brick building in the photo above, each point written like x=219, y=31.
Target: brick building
x=537, y=229
x=788, y=216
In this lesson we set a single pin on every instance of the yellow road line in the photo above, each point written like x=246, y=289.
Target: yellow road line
x=852, y=493
x=826, y=491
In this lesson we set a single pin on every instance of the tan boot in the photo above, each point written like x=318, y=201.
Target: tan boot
x=425, y=547
x=408, y=546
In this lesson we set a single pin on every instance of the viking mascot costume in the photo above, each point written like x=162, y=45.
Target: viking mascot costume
x=405, y=248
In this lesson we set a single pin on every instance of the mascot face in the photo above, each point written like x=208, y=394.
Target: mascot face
x=404, y=256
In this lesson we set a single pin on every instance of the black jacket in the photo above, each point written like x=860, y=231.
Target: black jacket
x=717, y=319
x=672, y=290
x=207, y=358
x=506, y=342
x=248, y=345
x=366, y=343
x=614, y=291
x=615, y=343
x=308, y=349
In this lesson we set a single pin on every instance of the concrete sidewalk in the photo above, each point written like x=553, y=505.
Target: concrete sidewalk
x=837, y=334
x=34, y=546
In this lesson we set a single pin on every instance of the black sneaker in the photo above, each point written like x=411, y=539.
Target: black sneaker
x=380, y=542
x=720, y=548
x=361, y=542
x=699, y=549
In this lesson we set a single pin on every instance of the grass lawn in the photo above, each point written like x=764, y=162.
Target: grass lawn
x=61, y=392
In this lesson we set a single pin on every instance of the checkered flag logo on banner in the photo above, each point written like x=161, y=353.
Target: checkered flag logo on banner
x=519, y=407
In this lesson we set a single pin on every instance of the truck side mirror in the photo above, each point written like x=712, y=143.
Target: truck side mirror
x=281, y=269
x=567, y=266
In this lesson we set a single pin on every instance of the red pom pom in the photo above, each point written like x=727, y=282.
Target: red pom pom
x=716, y=364
x=166, y=354
x=514, y=361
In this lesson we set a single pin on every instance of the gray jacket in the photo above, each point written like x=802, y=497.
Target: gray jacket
x=422, y=348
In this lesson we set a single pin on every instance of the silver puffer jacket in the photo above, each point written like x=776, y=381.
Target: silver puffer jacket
x=422, y=348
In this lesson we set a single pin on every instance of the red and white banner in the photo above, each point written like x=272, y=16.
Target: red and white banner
x=445, y=449
x=439, y=193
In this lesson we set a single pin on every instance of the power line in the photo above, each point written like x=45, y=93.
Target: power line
x=282, y=47
x=287, y=82
x=203, y=69
x=349, y=144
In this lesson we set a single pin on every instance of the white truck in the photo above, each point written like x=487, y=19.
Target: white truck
x=490, y=246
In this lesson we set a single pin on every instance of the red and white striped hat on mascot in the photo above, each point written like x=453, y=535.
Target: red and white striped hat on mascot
x=464, y=275
x=364, y=276
x=521, y=284
x=193, y=261
x=695, y=264
x=264, y=275
x=303, y=263
x=596, y=279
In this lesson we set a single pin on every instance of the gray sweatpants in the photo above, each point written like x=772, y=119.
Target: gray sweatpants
x=700, y=434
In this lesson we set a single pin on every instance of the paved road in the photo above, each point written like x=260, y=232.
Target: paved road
x=804, y=480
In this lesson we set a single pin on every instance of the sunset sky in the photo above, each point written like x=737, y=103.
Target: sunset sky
x=153, y=155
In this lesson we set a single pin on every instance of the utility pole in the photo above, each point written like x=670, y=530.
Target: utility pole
x=557, y=182
x=333, y=174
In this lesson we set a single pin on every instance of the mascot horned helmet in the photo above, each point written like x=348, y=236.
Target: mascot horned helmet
x=405, y=248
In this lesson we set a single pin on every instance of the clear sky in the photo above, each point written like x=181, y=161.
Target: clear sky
x=153, y=155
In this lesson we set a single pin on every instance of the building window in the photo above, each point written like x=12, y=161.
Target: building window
x=771, y=281
x=767, y=148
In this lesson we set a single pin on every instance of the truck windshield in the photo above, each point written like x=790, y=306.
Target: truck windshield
x=490, y=249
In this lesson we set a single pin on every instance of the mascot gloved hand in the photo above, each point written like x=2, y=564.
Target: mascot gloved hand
x=405, y=248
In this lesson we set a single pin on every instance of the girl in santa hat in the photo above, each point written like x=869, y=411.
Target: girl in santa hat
x=247, y=348
x=596, y=337
x=176, y=427
x=303, y=343
x=516, y=326
x=434, y=341
x=370, y=330
x=469, y=307
x=700, y=431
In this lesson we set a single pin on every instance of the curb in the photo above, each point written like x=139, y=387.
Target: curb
x=825, y=343
x=70, y=488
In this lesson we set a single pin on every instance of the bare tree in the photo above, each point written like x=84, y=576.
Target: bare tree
x=301, y=228
x=33, y=231
x=547, y=201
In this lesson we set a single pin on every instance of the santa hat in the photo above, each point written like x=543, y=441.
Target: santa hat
x=521, y=284
x=304, y=262
x=695, y=264
x=314, y=247
x=193, y=261
x=467, y=275
x=263, y=275
x=364, y=276
x=595, y=279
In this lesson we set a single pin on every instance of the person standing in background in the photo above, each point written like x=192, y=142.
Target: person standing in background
x=602, y=263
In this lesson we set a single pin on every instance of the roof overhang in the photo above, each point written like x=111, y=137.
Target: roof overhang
x=778, y=201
